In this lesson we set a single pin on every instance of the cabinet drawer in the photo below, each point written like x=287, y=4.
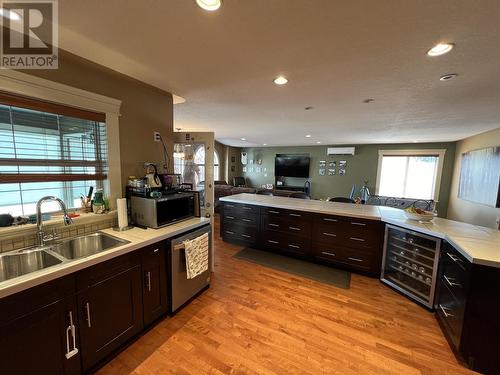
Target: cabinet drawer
x=269, y=211
x=238, y=208
x=352, y=258
x=450, y=311
x=286, y=225
x=249, y=220
x=240, y=234
x=357, y=259
x=286, y=243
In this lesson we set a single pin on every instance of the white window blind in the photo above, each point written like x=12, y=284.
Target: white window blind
x=47, y=150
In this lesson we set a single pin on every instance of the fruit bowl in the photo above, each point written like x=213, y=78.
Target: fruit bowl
x=425, y=216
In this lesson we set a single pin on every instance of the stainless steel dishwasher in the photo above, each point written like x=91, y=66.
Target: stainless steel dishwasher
x=183, y=289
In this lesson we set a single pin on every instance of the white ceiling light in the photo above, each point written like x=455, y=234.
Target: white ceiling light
x=9, y=14
x=308, y=135
x=318, y=142
x=440, y=49
x=243, y=139
x=264, y=144
x=280, y=80
x=210, y=5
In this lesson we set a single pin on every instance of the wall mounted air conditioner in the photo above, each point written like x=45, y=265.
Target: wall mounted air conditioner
x=340, y=150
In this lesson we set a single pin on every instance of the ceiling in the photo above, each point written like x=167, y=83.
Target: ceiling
x=334, y=53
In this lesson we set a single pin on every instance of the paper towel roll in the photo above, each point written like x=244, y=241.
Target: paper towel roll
x=121, y=205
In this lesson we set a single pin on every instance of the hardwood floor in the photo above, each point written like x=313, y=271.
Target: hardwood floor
x=258, y=320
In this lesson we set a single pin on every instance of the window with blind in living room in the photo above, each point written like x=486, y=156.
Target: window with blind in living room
x=48, y=149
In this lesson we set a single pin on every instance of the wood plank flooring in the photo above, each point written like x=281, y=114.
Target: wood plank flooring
x=255, y=320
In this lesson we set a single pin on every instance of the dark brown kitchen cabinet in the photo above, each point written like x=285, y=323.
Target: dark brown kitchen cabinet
x=110, y=307
x=39, y=330
x=240, y=224
x=154, y=283
x=467, y=306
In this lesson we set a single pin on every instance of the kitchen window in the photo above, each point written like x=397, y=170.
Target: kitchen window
x=413, y=174
x=48, y=149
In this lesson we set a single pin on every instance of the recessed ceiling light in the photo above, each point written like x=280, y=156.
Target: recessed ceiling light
x=280, y=80
x=447, y=77
x=318, y=142
x=308, y=135
x=415, y=141
x=440, y=49
x=9, y=14
x=243, y=139
x=210, y=5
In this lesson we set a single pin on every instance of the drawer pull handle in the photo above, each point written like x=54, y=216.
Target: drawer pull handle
x=273, y=212
x=329, y=234
x=148, y=281
x=272, y=241
x=273, y=225
x=327, y=253
x=229, y=232
x=328, y=219
x=247, y=220
x=294, y=228
x=296, y=215
x=156, y=250
x=294, y=246
x=87, y=315
x=355, y=259
x=246, y=235
x=229, y=205
x=357, y=239
x=359, y=224
x=247, y=208
x=230, y=217
x=451, y=283
x=443, y=309
x=454, y=258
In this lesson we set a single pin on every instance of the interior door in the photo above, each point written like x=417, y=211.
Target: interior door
x=110, y=314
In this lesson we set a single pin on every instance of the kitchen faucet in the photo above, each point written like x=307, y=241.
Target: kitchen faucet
x=39, y=225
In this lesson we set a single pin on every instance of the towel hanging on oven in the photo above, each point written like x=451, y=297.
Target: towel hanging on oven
x=196, y=255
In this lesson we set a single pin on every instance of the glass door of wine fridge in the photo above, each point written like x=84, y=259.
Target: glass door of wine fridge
x=410, y=263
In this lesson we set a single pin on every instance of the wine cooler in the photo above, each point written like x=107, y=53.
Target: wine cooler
x=410, y=263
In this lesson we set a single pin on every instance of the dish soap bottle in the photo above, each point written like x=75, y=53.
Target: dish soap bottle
x=98, y=206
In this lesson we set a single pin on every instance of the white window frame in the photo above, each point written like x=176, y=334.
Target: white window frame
x=34, y=87
x=439, y=171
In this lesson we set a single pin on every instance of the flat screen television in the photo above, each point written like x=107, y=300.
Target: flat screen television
x=291, y=166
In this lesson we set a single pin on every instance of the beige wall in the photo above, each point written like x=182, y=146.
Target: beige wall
x=469, y=212
x=226, y=155
x=144, y=109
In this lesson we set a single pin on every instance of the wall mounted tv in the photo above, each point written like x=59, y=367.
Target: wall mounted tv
x=291, y=165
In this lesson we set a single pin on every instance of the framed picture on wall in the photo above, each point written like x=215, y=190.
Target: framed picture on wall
x=233, y=168
x=233, y=159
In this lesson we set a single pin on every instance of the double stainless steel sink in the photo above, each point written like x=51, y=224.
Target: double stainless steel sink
x=21, y=262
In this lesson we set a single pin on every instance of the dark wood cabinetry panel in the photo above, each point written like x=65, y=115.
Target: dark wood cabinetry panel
x=154, y=283
x=110, y=312
x=41, y=342
x=467, y=307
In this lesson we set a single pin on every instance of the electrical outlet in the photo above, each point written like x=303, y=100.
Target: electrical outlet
x=156, y=136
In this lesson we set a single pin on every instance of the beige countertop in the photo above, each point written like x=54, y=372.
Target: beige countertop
x=137, y=238
x=478, y=244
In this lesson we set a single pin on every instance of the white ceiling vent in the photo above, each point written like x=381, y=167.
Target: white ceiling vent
x=340, y=150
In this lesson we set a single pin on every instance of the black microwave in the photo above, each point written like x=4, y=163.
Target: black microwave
x=168, y=209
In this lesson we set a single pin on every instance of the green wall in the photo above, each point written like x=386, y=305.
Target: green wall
x=361, y=166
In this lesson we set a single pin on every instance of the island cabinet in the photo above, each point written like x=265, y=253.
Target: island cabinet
x=349, y=242
x=468, y=309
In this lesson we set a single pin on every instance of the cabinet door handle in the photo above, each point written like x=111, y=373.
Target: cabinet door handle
x=328, y=219
x=359, y=224
x=294, y=246
x=454, y=258
x=273, y=212
x=273, y=225
x=355, y=259
x=272, y=241
x=247, y=220
x=327, y=253
x=230, y=217
x=87, y=313
x=443, y=309
x=357, y=239
x=451, y=283
x=228, y=205
x=293, y=228
x=156, y=250
x=148, y=281
x=229, y=232
x=329, y=234
x=246, y=235
x=296, y=215
x=71, y=348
